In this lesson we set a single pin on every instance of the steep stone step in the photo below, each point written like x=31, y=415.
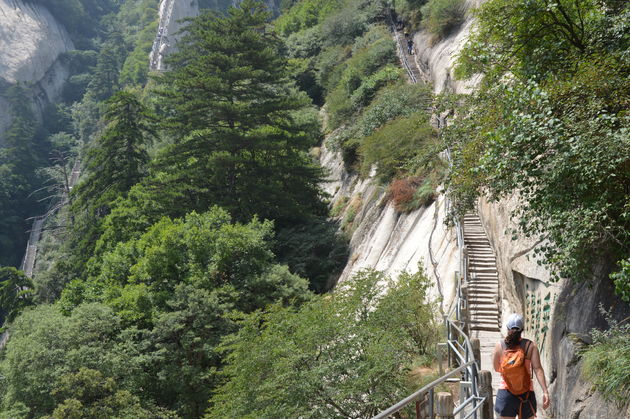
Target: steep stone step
x=486, y=328
x=483, y=276
x=483, y=281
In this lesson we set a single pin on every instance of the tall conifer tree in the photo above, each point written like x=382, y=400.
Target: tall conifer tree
x=230, y=105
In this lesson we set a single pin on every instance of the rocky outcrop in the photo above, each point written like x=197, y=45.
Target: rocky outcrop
x=385, y=239
x=31, y=44
x=171, y=14
x=436, y=58
x=574, y=398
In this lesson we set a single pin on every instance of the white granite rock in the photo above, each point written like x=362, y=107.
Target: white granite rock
x=31, y=41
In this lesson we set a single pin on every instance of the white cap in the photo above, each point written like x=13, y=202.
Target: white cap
x=514, y=321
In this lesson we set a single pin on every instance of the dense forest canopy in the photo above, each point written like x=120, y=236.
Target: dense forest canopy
x=190, y=271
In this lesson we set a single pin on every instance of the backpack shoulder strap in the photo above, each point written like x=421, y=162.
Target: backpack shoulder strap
x=526, y=344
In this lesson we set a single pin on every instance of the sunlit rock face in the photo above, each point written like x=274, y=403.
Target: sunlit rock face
x=31, y=45
x=172, y=14
x=384, y=239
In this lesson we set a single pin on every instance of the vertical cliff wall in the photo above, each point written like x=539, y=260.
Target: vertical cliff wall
x=31, y=45
x=171, y=14
x=384, y=239
x=555, y=312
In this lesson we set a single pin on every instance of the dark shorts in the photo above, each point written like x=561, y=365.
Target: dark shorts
x=507, y=404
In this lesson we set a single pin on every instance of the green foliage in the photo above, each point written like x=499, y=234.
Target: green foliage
x=139, y=21
x=315, y=251
x=441, y=17
x=304, y=15
x=533, y=38
x=356, y=81
x=395, y=143
x=606, y=363
x=116, y=161
x=21, y=153
x=399, y=100
x=205, y=250
x=154, y=307
x=45, y=346
x=351, y=21
x=622, y=280
x=231, y=108
x=16, y=293
x=564, y=147
x=341, y=355
x=87, y=393
x=368, y=88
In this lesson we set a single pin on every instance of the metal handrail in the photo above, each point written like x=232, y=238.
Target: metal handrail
x=420, y=393
x=463, y=352
x=401, y=49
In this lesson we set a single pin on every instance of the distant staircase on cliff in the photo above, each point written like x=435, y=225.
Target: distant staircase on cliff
x=482, y=291
x=483, y=277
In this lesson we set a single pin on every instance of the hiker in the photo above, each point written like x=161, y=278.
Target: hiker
x=516, y=358
x=409, y=46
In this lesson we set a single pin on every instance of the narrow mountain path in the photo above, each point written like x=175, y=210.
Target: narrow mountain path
x=28, y=263
x=483, y=284
x=407, y=60
x=483, y=291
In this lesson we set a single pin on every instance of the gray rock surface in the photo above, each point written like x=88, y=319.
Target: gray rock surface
x=31, y=42
x=171, y=14
x=384, y=239
x=572, y=396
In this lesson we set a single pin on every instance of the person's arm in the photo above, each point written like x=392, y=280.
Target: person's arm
x=496, y=357
x=540, y=374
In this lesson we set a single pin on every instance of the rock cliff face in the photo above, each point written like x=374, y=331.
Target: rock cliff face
x=384, y=239
x=31, y=43
x=554, y=312
x=171, y=13
x=573, y=398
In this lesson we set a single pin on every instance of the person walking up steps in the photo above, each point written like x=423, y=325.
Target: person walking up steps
x=515, y=358
x=409, y=46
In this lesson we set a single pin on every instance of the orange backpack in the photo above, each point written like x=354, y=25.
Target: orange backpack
x=515, y=374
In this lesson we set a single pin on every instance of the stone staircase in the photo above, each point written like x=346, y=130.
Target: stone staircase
x=483, y=292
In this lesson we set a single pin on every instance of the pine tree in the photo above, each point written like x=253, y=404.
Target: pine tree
x=117, y=161
x=114, y=164
x=230, y=106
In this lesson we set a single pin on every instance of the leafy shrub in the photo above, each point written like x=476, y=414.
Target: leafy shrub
x=391, y=102
x=328, y=66
x=306, y=43
x=395, y=143
x=607, y=362
x=401, y=192
x=342, y=27
x=440, y=17
x=368, y=88
x=348, y=351
x=358, y=70
x=411, y=193
x=304, y=14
